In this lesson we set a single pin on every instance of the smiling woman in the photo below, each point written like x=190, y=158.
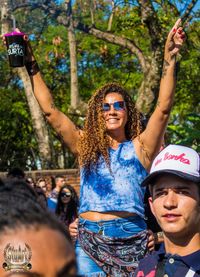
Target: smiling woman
x=114, y=156
x=124, y=124
x=116, y=116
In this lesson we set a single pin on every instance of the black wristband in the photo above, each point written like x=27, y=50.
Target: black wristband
x=32, y=68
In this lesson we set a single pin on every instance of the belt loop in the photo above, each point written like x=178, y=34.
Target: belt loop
x=101, y=228
x=81, y=221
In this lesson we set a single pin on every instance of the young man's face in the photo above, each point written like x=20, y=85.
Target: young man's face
x=60, y=182
x=176, y=205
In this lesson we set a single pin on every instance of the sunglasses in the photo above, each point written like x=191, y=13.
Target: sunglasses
x=118, y=106
x=65, y=194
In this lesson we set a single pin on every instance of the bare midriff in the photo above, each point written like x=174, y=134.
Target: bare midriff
x=96, y=216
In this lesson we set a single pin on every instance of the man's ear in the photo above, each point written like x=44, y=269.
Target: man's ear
x=151, y=205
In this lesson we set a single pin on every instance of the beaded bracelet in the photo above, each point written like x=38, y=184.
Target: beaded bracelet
x=32, y=68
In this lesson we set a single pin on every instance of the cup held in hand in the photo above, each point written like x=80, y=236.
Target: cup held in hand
x=15, y=48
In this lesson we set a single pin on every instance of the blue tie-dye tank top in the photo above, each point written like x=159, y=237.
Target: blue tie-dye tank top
x=118, y=190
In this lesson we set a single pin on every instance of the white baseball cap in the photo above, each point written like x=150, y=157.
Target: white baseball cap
x=177, y=160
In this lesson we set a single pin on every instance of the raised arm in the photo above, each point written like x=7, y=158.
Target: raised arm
x=149, y=142
x=65, y=128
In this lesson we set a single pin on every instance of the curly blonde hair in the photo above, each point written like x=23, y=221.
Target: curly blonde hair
x=95, y=141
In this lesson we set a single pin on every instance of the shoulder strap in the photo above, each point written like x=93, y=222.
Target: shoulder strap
x=160, y=271
x=190, y=273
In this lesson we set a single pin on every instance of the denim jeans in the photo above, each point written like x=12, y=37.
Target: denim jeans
x=120, y=227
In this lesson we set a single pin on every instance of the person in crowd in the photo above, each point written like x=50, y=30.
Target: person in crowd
x=53, y=197
x=25, y=229
x=67, y=205
x=41, y=196
x=40, y=189
x=16, y=173
x=50, y=185
x=59, y=183
x=174, y=184
x=30, y=181
x=41, y=183
x=114, y=157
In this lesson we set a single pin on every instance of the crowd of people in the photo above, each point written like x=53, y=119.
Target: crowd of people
x=33, y=241
x=53, y=194
x=174, y=187
x=121, y=162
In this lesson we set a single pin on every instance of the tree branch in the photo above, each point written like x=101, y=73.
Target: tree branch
x=111, y=17
x=149, y=17
x=124, y=42
x=187, y=15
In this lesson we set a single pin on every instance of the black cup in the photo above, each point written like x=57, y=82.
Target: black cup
x=15, y=49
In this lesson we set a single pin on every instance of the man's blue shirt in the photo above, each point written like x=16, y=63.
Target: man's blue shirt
x=174, y=265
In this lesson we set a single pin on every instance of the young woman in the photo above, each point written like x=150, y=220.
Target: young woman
x=67, y=205
x=114, y=157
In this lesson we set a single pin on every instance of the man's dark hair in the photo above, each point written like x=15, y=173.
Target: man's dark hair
x=150, y=219
x=19, y=207
x=59, y=176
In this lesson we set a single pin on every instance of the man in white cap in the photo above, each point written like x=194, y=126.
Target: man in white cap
x=174, y=184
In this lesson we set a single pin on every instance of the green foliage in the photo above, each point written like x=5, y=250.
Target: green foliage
x=99, y=62
x=188, y=133
x=184, y=127
x=17, y=143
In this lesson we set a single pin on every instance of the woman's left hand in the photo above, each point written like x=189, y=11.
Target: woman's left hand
x=175, y=40
x=151, y=241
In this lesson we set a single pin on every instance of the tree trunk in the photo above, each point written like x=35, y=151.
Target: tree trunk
x=149, y=88
x=110, y=21
x=39, y=124
x=38, y=121
x=73, y=66
x=75, y=100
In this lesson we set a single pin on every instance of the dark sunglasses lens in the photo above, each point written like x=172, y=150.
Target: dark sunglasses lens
x=119, y=105
x=65, y=194
x=106, y=107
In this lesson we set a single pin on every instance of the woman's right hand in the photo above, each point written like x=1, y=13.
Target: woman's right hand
x=29, y=52
x=73, y=229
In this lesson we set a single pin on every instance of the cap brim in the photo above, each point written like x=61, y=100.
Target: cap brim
x=150, y=179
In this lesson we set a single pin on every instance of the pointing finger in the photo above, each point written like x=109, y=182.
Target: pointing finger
x=174, y=28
